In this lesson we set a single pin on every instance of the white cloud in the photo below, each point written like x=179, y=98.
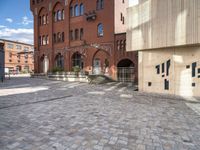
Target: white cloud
x=2, y=26
x=20, y=34
x=26, y=21
x=9, y=20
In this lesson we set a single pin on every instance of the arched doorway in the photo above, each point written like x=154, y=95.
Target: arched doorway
x=126, y=71
x=59, y=61
x=44, y=64
x=77, y=60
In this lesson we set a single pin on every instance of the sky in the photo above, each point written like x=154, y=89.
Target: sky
x=16, y=21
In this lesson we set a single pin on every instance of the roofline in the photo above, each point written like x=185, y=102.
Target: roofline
x=4, y=40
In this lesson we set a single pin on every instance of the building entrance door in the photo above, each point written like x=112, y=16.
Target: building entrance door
x=97, y=66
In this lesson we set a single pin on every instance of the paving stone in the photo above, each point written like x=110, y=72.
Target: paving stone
x=70, y=115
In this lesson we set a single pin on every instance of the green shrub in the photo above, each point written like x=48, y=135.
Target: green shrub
x=57, y=69
x=76, y=69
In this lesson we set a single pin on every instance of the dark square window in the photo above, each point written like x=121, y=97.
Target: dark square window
x=188, y=66
x=198, y=70
x=193, y=84
x=149, y=83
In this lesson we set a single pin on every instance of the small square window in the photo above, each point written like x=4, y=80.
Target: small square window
x=193, y=84
x=188, y=66
x=149, y=83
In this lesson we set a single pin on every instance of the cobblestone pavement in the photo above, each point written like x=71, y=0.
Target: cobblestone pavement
x=38, y=114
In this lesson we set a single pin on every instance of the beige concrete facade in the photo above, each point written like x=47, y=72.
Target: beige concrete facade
x=181, y=81
x=167, y=35
x=120, y=16
x=163, y=23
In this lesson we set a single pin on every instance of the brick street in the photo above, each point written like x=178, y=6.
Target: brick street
x=38, y=114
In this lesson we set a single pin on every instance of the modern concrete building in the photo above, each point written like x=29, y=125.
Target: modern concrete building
x=167, y=35
x=19, y=57
x=89, y=34
x=2, y=61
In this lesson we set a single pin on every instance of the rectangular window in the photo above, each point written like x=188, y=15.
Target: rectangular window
x=39, y=41
x=81, y=33
x=194, y=69
x=47, y=39
x=121, y=18
x=10, y=46
x=26, y=48
x=54, y=38
x=168, y=66
x=158, y=69
x=199, y=70
x=71, y=35
x=166, y=84
x=18, y=47
x=63, y=36
x=163, y=67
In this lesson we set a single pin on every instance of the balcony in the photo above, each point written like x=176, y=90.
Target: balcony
x=91, y=15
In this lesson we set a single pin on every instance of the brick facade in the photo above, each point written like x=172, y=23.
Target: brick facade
x=65, y=39
x=19, y=57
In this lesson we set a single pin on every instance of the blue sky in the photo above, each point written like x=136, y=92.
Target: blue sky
x=16, y=20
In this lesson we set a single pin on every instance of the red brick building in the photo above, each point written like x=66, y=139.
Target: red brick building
x=19, y=57
x=89, y=34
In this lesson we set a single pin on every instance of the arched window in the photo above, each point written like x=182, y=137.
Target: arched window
x=76, y=34
x=43, y=19
x=118, y=45
x=47, y=39
x=60, y=61
x=81, y=9
x=58, y=37
x=76, y=10
x=71, y=11
x=47, y=19
x=77, y=60
x=63, y=37
x=81, y=33
x=63, y=14
x=124, y=44
x=100, y=29
x=43, y=40
x=40, y=20
x=102, y=4
x=59, y=15
x=71, y=36
x=54, y=37
x=55, y=16
x=98, y=5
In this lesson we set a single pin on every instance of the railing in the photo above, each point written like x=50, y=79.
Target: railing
x=126, y=74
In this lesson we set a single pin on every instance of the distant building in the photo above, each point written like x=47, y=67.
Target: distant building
x=19, y=57
x=1, y=60
x=167, y=35
x=89, y=34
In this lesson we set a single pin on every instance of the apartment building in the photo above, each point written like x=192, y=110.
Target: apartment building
x=19, y=57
